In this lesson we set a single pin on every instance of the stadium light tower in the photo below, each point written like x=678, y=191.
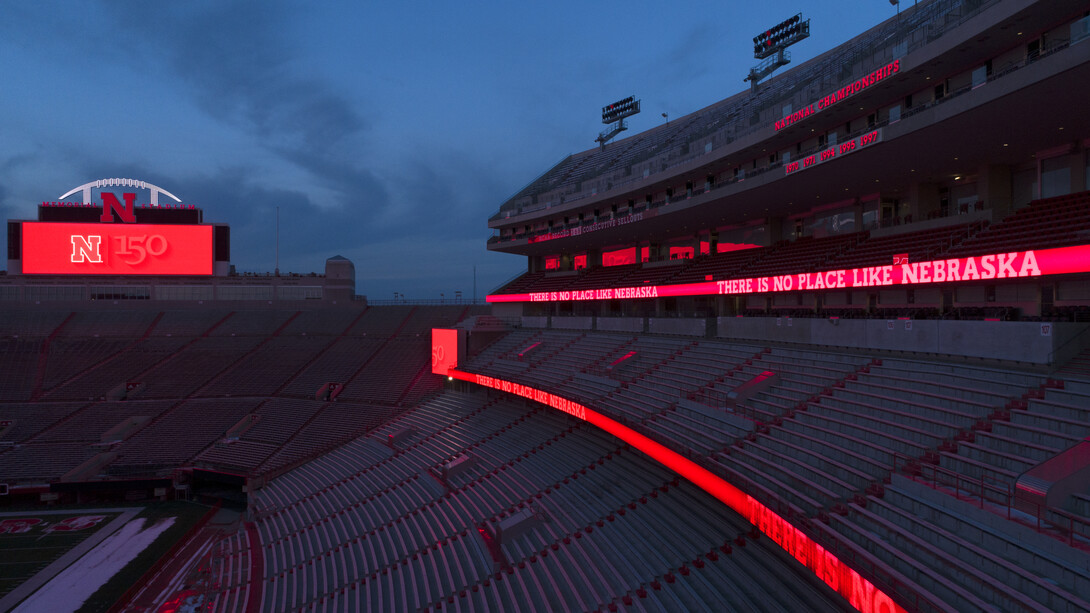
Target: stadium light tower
x=771, y=46
x=615, y=114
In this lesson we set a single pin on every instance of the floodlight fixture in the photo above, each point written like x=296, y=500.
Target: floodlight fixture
x=620, y=109
x=615, y=114
x=780, y=36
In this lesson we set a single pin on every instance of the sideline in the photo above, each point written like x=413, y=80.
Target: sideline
x=30, y=586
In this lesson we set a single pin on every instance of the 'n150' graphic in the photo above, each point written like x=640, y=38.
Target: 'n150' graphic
x=132, y=250
x=53, y=248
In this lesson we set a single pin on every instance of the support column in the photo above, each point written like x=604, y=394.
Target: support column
x=923, y=199
x=994, y=186
x=775, y=229
x=1077, y=160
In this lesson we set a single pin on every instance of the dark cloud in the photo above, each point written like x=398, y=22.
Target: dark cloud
x=239, y=65
x=415, y=221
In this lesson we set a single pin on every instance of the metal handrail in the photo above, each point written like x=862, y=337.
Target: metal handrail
x=995, y=492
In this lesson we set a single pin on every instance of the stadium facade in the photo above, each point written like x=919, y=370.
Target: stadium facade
x=890, y=164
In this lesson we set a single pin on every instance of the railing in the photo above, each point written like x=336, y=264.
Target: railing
x=720, y=399
x=1065, y=350
x=877, y=572
x=995, y=492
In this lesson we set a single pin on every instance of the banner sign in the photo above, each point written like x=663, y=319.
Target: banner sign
x=1011, y=265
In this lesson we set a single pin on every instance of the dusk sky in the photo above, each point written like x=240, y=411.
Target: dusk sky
x=386, y=132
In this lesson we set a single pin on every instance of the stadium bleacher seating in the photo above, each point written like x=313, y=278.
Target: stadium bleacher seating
x=391, y=533
x=827, y=438
x=404, y=490
x=198, y=373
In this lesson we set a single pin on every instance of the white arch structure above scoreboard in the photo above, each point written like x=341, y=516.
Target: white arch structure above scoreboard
x=86, y=189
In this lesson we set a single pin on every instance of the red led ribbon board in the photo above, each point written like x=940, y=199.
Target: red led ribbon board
x=444, y=350
x=1011, y=265
x=859, y=592
x=116, y=249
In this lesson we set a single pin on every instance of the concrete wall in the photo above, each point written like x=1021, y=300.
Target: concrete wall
x=507, y=310
x=573, y=323
x=1034, y=342
x=535, y=322
x=1016, y=341
x=684, y=327
x=620, y=324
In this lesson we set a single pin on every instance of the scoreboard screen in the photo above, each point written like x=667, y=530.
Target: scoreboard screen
x=116, y=249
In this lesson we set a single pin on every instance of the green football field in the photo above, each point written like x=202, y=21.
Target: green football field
x=28, y=546
x=31, y=540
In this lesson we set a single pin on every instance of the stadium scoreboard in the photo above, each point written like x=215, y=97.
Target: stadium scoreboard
x=57, y=248
x=118, y=237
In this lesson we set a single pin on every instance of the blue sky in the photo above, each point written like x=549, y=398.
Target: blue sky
x=386, y=132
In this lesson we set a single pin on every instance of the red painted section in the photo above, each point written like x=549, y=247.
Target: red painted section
x=859, y=592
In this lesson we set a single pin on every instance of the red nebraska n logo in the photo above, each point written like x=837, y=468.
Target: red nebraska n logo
x=86, y=249
x=110, y=205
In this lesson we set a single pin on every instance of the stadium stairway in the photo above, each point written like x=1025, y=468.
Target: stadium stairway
x=43, y=356
x=1077, y=368
x=97, y=362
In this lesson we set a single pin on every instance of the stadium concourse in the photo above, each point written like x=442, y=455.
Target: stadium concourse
x=822, y=345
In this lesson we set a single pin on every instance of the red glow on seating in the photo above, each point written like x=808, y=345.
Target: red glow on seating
x=859, y=592
x=681, y=253
x=524, y=352
x=620, y=257
x=622, y=358
x=728, y=247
